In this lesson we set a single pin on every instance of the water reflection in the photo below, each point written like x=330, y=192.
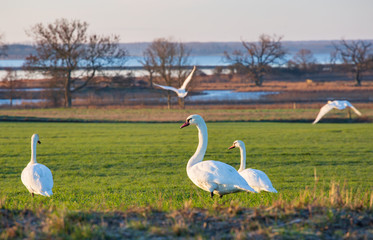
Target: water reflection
x=227, y=95
x=204, y=96
x=27, y=89
x=18, y=102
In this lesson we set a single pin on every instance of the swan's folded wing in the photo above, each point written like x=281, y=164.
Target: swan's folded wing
x=258, y=180
x=24, y=177
x=42, y=178
x=187, y=80
x=324, y=110
x=264, y=181
x=218, y=172
x=166, y=87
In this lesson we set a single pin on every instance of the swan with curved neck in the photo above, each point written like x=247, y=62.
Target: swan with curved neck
x=212, y=176
x=36, y=177
x=255, y=178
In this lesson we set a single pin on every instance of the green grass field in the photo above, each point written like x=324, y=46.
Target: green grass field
x=115, y=166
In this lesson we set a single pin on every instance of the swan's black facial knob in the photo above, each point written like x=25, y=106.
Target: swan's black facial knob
x=187, y=123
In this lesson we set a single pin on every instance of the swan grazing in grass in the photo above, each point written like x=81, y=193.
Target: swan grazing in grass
x=255, y=178
x=212, y=176
x=36, y=177
x=337, y=104
x=181, y=92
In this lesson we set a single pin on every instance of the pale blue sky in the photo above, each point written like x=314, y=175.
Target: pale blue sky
x=196, y=20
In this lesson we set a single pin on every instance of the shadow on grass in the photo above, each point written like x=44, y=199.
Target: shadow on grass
x=6, y=118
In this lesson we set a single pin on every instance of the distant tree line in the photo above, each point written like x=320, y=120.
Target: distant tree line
x=72, y=58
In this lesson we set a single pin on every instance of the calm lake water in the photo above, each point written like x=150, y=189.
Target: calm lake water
x=212, y=60
x=17, y=102
x=205, y=96
x=227, y=95
x=135, y=61
x=202, y=61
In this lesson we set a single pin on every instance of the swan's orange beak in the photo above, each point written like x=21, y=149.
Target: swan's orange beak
x=39, y=142
x=185, y=124
x=231, y=147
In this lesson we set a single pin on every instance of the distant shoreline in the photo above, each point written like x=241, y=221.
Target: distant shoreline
x=21, y=51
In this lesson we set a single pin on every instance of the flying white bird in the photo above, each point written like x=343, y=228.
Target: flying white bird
x=36, y=177
x=338, y=104
x=212, y=176
x=181, y=93
x=257, y=179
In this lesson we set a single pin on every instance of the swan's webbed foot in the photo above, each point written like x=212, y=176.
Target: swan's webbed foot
x=211, y=194
x=220, y=196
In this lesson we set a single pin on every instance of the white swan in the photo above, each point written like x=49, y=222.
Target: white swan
x=338, y=104
x=36, y=177
x=212, y=176
x=255, y=178
x=181, y=93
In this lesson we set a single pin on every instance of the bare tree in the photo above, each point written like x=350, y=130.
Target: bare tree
x=304, y=59
x=147, y=64
x=9, y=82
x=3, y=46
x=167, y=59
x=64, y=47
x=355, y=54
x=258, y=57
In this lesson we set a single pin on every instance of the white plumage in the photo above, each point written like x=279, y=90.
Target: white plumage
x=337, y=104
x=257, y=179
x=181, y=92
x=212, y=176
x=36, y=177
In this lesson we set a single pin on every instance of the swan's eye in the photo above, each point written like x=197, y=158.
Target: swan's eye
x=188, y=120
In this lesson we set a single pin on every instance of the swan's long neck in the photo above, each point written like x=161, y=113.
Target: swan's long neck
x=243, y=158
x=202, y=145
x=33, y=151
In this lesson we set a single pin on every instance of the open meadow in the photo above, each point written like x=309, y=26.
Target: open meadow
x=114, y=180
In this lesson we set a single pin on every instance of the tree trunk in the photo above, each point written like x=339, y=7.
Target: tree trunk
x=258, y=80
x=181, y=102
x=67, y=98
x=358, y=78
x=168, y=100
x=67, y=94
x=151, y=80
x=11, y=93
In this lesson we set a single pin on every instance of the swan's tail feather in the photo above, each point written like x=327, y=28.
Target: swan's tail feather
x=47, y=193
x=249, y=189
x=269, y=189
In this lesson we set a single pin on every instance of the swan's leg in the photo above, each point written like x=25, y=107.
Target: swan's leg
x=32, y=194
x=220, y=196
x=211, y=187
